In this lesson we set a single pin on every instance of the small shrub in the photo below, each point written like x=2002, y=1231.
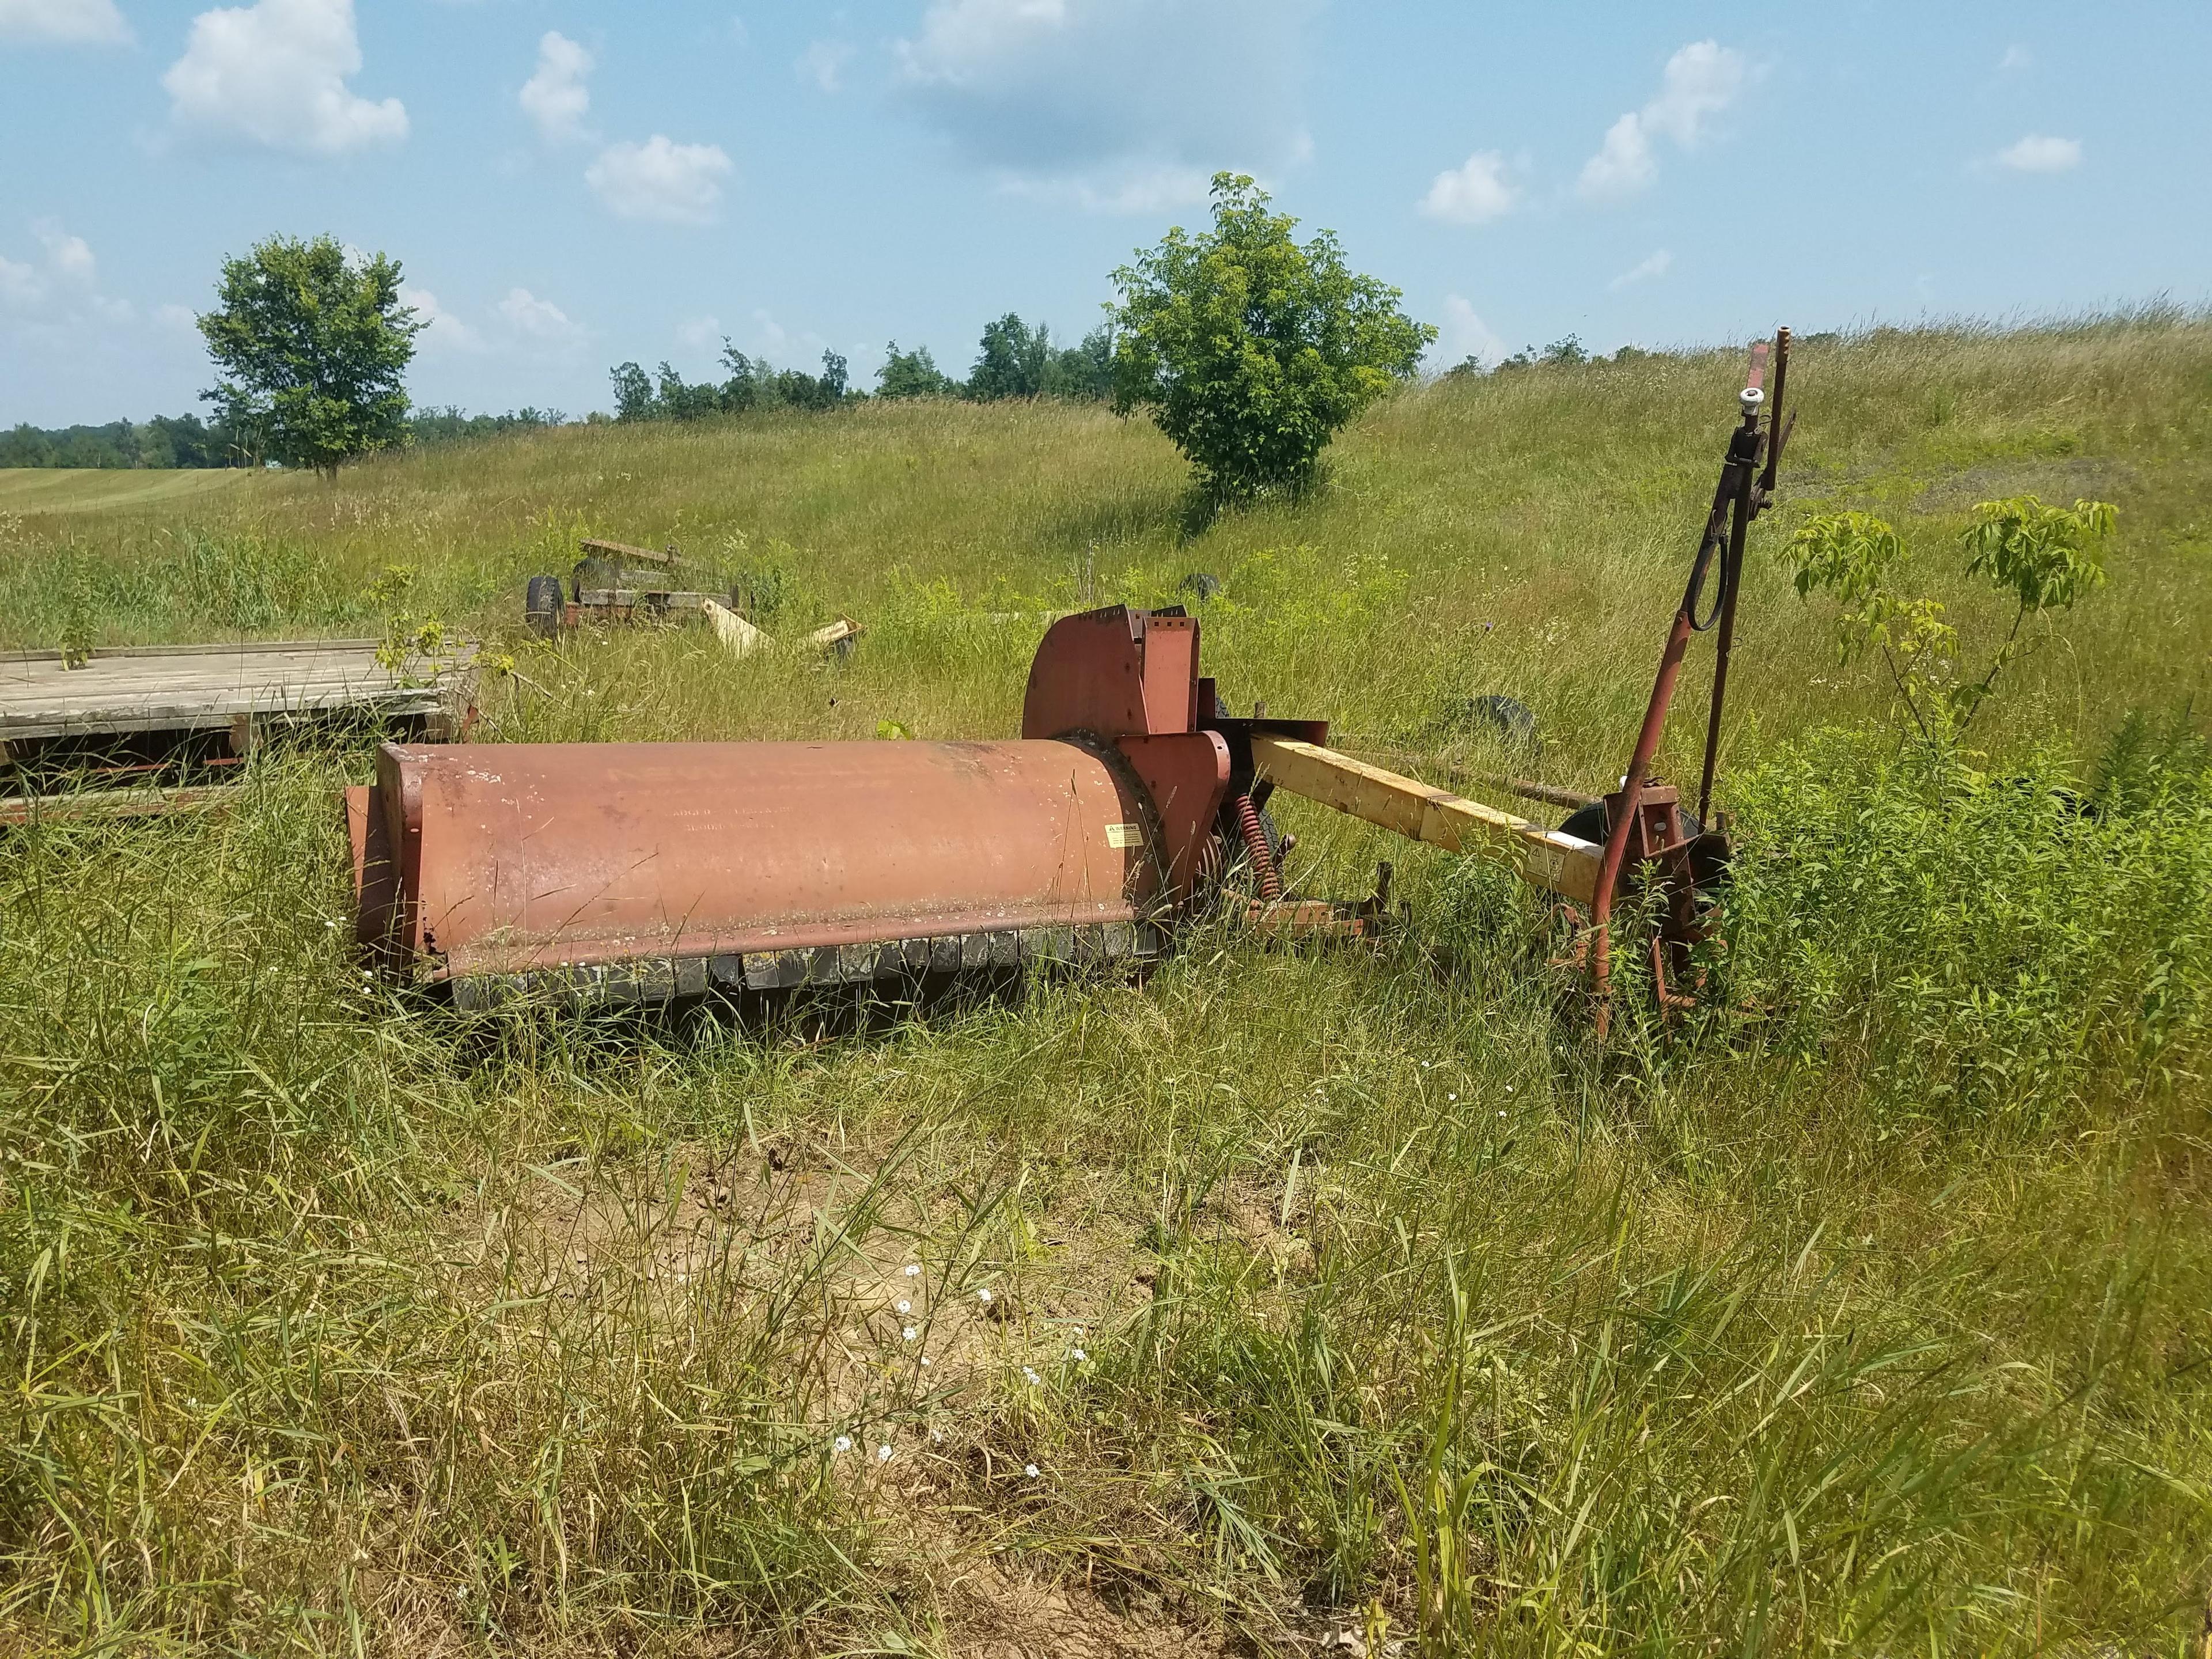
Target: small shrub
x=1252, y=351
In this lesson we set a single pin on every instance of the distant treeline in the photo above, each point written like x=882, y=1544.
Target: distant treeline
x=185, y=440
x=433, y=425
x=163, y=441
x=1015, y=360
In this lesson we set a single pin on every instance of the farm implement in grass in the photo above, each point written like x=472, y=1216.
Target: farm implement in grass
x=1133, y=802
x=616, y=584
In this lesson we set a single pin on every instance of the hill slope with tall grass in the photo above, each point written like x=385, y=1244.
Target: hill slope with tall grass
x=1327, y=1291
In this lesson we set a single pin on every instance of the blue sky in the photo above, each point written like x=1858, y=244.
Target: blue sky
x=569, y=185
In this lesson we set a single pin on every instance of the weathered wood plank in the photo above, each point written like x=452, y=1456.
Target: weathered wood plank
x=188, y=688
x=625, y=550
x=1546, y=858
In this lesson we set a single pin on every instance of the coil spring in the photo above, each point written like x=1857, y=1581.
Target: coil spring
x=1255, y=845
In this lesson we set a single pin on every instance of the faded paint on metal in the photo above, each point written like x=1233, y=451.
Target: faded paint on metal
x=516, y=857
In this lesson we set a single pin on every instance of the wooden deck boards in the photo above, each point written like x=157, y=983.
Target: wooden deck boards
x=152, y=688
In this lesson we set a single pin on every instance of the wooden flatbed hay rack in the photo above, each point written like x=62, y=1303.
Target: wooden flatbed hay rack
x=114, y=727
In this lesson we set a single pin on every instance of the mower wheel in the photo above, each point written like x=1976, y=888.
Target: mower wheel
x=1201, y=584
x=1708, y=855
x=542, y=603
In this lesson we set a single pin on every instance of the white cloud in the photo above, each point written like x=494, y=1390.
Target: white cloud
x=63, y=22
x=20, y=286
x=2035, y=154
x=1128, y=187
x=1643, y=271
x=1699, y=82
x=67, y=256
x=55, y=293
x=660, y=180
x=182, y=319
x=535, y=318
x=773, y=343
x=555, y=96
x=1473, y=193
x=1462, y=335
x=1623, y=164
x=824, y=62
x=700, y=333
x=441, y=330
x=1112, y=104
x=61, y=279
x=2015, y=58
x=275, y=73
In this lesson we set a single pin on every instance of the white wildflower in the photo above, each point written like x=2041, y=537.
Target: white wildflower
x=1034, y=1379
x=1078, y=1355
x=925, y=1359
x=912, y=1271
x=983, y=1295
x=843, y=1442
x=1030, y=1470
x=907, y=1334
x=882, y=1453
x=904, y=1306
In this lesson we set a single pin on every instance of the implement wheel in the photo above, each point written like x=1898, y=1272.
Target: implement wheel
x=542, y=603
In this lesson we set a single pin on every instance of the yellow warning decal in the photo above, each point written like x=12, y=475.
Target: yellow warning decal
x=1125, y=834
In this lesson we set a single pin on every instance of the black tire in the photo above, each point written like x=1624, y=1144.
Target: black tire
x=542, y=603
x=1708, y=861
x=1509, y=720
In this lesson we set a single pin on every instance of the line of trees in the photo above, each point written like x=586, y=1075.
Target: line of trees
x=165, y=441
x=1015, y=360
x=753, y=383
x=170, y=441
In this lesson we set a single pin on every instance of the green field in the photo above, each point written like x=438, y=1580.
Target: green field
x=1331, y=1291
x=85, y=489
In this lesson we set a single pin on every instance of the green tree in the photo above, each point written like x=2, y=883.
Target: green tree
x=633, y=393
x=1251, y=350
x=311, y=346
x=913, y=374
x=1012, y=361
x=1083, y=370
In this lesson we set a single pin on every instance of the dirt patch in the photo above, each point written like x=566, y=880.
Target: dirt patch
x=2061, y=481
x=994, y=1612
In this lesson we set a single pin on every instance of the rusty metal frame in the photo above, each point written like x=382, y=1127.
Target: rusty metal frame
x=1742, y=494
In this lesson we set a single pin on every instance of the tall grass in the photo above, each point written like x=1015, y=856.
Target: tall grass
x=1330, y=1290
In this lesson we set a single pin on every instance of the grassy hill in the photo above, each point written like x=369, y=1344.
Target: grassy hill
x=1327, y=1288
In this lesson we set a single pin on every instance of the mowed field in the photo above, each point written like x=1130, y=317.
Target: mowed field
x=67, y=490
x=1331, y=1293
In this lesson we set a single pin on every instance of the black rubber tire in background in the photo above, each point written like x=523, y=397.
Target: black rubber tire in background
x=542, y=603
x=1589, y=823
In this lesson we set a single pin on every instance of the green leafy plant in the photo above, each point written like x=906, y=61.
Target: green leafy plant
x=311, y=343
x=1252, y=351
x=408, y=638
x=2046, y=557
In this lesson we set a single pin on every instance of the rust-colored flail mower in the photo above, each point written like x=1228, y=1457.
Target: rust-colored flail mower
x=1132, y=803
